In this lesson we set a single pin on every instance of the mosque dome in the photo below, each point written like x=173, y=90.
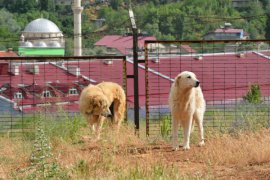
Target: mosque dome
x=40, y=44
x=41, y=26
x=54, y=44
x=44, y=35
x=27, y=44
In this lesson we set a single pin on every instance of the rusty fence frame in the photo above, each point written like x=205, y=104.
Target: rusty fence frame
x=65, y=59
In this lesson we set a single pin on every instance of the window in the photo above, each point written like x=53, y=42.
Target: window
x=18, y=95
x=72, y=91
x=46, y=94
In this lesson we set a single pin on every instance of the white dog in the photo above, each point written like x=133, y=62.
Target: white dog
x=187, y=105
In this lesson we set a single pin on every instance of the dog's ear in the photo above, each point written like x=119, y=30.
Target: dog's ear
x=97, y=101
x=177, y=81
x=94, y=101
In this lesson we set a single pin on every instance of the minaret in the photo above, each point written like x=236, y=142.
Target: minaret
x=77, y=10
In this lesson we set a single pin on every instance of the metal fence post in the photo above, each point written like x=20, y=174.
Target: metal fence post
x=135, y=71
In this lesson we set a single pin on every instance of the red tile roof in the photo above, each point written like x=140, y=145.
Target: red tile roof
x=47, y=73
x=122, y=43
x=64, y=88
x=228, y=30
x=8, y=54
x=223, y=77
x=3, y=68
x=187, y=48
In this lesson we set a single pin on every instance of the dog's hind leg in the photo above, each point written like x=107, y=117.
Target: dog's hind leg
x=175, y=125
x=119, y=113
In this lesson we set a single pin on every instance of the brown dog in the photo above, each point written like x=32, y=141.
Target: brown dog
x=106, y=100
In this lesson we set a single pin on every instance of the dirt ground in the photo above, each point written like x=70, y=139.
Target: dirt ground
x=125, y=156
x=194, y=162
x=189, y=165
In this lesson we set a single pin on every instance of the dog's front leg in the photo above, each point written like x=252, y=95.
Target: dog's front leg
x=92, y=120
x=175, y=125
x=187, y=129
x=201, y=143
x=199, y=120
x=99, y=127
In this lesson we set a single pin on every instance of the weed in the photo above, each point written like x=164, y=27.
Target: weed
x=82, y=169
x=165, y=127
x=253, y=95
x=43, y=166
x=63, y=126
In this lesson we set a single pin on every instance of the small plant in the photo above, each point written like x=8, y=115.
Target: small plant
x=253, y=95
x=42, y=164
x=165, y=127
x=66, y=127
x=82, y=169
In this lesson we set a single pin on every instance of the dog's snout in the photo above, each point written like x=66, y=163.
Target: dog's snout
x=197, y=83
x=106, y=114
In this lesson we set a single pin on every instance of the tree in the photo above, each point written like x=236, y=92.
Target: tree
x=265, y=3
x=267, y=27
x=256, y=20
x=20, y=6
x=47, y=5
x=9, y=30
x=115, y=4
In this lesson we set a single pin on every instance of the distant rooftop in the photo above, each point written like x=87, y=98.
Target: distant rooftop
x=122, y=43
x=8, y=53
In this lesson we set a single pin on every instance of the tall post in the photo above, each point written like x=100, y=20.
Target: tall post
x=77, y=10
x=135, y=71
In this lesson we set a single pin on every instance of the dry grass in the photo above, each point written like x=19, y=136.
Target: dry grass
x=241, y=150
x=14, y=155
x=125, y=156
x=112, y=156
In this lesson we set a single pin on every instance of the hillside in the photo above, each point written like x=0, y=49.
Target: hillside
x=165, y=19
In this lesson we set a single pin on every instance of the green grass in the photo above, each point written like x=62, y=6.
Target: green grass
x=244, y=117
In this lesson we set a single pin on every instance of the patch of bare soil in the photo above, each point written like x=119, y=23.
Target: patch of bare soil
x=191, y=162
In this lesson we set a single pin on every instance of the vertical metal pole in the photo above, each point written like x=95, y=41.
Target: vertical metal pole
x=136, y=79
x=135, y=71
x=146, y=88
x=125, y=84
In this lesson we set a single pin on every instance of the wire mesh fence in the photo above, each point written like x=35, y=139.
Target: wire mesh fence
x=234, y=77
x=34, y=86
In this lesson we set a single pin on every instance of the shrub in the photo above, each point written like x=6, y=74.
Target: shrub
x=253, y=95
x=43, y=165
x=165, y=127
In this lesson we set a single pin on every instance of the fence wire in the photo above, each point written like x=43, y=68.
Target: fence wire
x=234, y=77
x=34, y=86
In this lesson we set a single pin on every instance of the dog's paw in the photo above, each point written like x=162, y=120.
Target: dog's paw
x=201, y=143
x=175, y=147
x=186, y=147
